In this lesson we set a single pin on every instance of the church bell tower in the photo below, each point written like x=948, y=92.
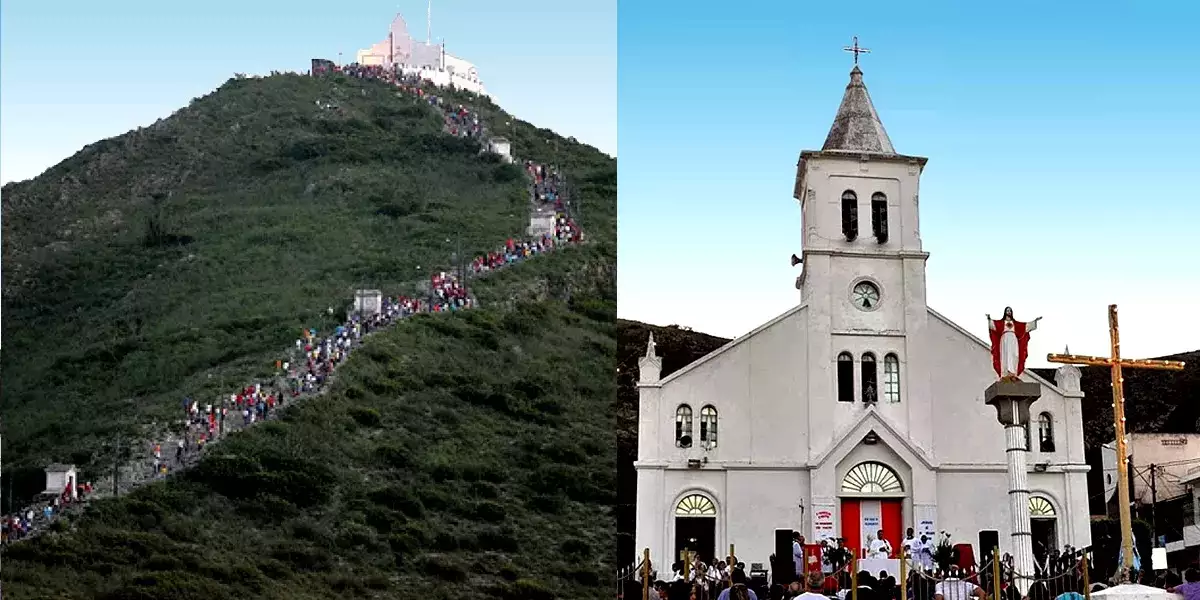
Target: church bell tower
x=863, y=278
x=863, y=265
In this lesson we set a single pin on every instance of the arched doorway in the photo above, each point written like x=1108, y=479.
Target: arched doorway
x=872, y=500
x=695, y=526
x=1043, y=525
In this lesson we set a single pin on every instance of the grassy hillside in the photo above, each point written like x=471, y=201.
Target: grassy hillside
x=678, y=348
x=178, y=259
x=457, y=456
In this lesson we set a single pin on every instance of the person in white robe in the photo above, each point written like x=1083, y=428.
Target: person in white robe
x=798, y=553
x=907, y=544
x=880, y=547
x=925, y=553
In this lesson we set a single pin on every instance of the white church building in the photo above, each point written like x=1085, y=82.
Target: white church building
x=861, y=408
x=424, y=59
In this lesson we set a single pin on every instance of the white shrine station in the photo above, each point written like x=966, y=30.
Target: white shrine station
x=860, y=409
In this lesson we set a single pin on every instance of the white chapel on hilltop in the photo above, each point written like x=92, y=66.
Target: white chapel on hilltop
x=424, y=59
x=859, y=410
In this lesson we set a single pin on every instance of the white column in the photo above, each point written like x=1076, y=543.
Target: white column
x=1018, y=500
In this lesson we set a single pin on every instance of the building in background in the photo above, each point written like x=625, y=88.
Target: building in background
x=1164, y=470
x=1183, y=549
x=1171, y=454
x=424, y=58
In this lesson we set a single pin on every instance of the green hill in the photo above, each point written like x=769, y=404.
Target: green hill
x=456, y=455
x=177, y=259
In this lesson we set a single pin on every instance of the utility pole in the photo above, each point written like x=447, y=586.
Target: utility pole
x=1153, y=506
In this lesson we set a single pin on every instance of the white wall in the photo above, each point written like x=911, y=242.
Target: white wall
x=57, y=481
x=760, y=500
x=965, y=372
x=443, y=78
x=460, y=66
x=752, y=382
x=368, y=302
x=540, y=224
x=828, y=175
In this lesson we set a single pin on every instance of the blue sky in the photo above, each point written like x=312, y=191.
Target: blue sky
x=1062, y=142
x=73, y=72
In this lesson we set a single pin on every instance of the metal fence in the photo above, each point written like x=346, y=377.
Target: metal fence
x=1064, y=577
x=1067, y=577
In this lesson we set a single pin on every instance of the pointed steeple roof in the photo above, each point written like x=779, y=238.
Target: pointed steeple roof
x=857, y=127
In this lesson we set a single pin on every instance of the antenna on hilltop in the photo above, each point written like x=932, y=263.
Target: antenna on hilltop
x=429, y=23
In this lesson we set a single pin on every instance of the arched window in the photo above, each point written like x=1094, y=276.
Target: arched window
x=845, y=377
x=850, y=215
x=1040, y=508
x=871, y=478
x=891, y=378
x=1028, y=437
x=870, y=389
x=879, y=221
x=695, y=505
x=683, y=426
x=1045, y=432
x=708, y=427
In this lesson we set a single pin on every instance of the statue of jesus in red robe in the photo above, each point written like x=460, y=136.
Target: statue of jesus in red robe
x=1010, y=344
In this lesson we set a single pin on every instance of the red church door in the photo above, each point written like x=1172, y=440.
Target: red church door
x=852, y=525
x=863, y=518
x=892, y=512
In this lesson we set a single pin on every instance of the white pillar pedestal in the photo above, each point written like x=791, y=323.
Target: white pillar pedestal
x=1011, y=400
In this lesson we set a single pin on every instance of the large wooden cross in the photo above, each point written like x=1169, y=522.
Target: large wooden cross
x=1116, y=363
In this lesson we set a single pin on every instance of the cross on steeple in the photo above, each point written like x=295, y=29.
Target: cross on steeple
x=856, y=50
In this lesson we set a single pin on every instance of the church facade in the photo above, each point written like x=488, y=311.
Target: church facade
x=859, y=410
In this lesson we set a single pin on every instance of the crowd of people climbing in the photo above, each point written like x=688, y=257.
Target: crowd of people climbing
x=305, y=369
x=17, y=526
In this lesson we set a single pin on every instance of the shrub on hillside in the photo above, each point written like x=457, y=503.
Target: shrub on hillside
x=367, y=417
x=528, y=589
x=443, y=567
